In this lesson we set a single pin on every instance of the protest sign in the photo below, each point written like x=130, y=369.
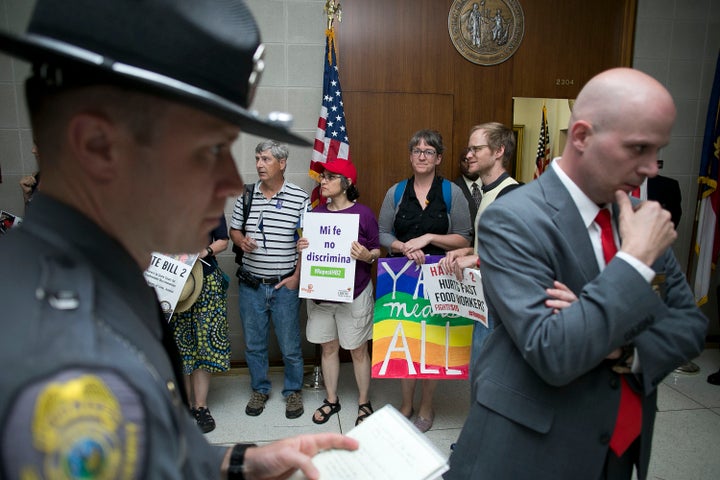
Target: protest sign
x=409, y=341
x=327, y=271
x=447, y=294
x=167, y=274
x=8, y=221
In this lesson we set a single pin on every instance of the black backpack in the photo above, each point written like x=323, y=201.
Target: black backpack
x=247, y=203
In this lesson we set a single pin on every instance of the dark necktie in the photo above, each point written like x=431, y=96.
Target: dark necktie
x=629, y=419
x=476, y=194
x=168, y=342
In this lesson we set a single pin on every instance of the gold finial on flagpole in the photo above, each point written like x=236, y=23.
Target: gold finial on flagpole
x=332, y=8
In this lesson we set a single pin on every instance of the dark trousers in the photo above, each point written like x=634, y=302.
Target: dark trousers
x=621, y=468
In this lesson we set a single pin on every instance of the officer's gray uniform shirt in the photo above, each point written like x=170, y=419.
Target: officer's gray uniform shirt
x=86, y=384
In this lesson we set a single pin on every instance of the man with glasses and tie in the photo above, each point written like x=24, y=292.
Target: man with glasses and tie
x=470, y=185
x=566, y=385
x=269, y=276
x=491, y=147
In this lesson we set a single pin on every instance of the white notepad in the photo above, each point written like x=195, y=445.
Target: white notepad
x=391, y=448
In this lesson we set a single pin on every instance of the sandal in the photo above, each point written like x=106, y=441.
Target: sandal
x=364, y=411
x=325, y=415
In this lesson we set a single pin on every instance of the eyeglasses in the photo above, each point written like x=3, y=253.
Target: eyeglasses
x=477, y=148
x=328, y=178
x=416, y=152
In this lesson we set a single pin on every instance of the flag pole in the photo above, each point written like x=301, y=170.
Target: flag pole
x=690, y=270
x=314, y=380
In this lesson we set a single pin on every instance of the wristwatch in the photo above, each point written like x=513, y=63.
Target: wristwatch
x=237, y=460
x=372, y=259
x=209, y=251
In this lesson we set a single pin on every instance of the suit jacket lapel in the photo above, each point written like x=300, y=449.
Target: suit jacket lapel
x=567, y=219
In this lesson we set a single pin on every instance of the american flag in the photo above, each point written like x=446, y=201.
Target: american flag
x=543, y=151
x=331, y=138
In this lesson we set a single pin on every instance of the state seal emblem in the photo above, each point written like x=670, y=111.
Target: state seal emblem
x=487, y=32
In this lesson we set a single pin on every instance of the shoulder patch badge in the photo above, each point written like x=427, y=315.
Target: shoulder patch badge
x=75, y=425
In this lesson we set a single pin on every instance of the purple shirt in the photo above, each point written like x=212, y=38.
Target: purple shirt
x=368, y=237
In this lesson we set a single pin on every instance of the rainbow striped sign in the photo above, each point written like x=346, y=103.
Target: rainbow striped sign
x=409, y=341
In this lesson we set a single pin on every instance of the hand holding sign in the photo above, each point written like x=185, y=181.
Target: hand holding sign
x=447, y=294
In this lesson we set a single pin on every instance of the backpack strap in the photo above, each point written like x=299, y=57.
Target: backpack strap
x=248, y=194
x=447, y=194
x=247, y=202
x=399, y=190
x=446, y=190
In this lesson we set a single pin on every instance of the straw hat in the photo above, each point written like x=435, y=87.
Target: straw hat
x=191, y=289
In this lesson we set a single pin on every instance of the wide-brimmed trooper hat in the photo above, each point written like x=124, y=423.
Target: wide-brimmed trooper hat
x=204, y=53
x=193, y=285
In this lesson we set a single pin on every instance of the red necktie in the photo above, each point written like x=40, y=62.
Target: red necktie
x=629, y=419
x=635, y=193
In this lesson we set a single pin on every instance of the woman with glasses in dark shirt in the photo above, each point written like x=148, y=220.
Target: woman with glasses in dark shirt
x=422, y=223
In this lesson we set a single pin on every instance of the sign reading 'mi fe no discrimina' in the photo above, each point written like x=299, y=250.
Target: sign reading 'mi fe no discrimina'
x=327, y=270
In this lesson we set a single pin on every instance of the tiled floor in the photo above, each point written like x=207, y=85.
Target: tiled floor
x=687, y=428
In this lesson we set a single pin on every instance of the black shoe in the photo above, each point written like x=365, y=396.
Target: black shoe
x=714, y=378
x=688, y=368
x=204, y=420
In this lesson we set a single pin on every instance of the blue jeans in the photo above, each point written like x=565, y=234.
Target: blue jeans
x=257, y=308
x=480, y=334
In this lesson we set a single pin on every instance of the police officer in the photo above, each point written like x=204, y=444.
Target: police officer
x=135, y=106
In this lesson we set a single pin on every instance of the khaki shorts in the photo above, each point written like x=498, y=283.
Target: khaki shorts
x=350, y=323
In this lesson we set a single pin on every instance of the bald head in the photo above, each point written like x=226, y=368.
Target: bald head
x=616, y=93
x=620, y=121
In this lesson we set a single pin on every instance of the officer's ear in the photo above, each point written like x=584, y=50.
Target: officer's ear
x=93, y=142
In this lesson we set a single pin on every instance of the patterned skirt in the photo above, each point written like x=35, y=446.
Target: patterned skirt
x=201, y=332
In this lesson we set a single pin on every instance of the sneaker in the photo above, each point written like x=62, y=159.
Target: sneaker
x=294, y=407
x=204, y=420
x=256, y=405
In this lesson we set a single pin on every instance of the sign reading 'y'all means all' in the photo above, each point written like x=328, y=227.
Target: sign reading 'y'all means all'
x=409, y=340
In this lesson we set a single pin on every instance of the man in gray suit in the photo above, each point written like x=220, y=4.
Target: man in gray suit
x=578, y=336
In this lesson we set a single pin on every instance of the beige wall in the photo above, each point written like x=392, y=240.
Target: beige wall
x=527, y=112
x=676, y=41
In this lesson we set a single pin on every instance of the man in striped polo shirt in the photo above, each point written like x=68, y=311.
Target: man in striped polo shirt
x=269, y=276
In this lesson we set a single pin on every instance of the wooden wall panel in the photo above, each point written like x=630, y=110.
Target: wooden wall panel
x=482, y=94
x=381, y=126
x=395, y=46
x=400, y=72
x=572, y=41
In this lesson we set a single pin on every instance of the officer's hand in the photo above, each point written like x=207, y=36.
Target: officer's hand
x=280, y=459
